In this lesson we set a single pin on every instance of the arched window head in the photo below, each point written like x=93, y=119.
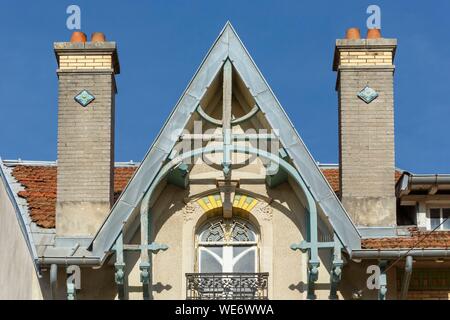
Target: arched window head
x=227, y=230
x=227, y=246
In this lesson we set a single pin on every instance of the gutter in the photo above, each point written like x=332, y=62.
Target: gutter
x=399, y=253
x=82, y=261
x=409, y=180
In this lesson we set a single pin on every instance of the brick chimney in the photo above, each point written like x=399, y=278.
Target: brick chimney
x=365, y=73
x=86, y=81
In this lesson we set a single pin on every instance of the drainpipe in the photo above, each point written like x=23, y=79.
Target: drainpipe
x=53, y=280
x=407, y=277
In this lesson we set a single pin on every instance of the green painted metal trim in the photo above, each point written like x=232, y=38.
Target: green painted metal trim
x=313, y=263
x=248, y=116
x=206, y=117
x=179, y=176
x=217, y=122
x=336, y=268
x=119, y=265
x=280, y=176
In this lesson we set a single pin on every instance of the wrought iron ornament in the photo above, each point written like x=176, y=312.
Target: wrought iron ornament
x=234, y=286
x=228, y=230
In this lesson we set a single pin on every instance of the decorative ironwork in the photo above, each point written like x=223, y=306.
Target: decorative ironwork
x=228, y=231
x=84, y=98
x=367, y=94
x=227, y=286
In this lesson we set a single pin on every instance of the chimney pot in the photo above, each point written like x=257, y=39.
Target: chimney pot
x=78, y=36
x=98, y=37
x=353, y=33
x=373, y=34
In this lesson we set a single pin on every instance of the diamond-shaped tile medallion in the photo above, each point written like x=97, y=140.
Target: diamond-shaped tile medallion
x=84, y=98
x=367, y=94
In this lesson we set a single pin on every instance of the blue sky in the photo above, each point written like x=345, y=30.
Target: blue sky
x=161, y=43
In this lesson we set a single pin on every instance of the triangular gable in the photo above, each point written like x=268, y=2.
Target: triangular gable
x=227, y=45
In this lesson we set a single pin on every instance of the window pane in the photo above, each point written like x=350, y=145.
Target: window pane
x=237, y=250
x=446, y=215
x=435, y=217
x=208, y=263
x=246, y=263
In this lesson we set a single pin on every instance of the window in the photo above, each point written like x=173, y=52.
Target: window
x=227, y=263
x=439, y=216
x=227, y=246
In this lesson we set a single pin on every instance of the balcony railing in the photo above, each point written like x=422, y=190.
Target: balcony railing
x=230, y=286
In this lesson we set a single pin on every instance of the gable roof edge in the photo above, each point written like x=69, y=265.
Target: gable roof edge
x=162, y=144
x=294, y=145
x=227, y=45
x=20, y=216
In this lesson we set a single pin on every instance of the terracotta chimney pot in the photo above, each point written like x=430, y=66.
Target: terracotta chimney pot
x=78, y=36
x=373, y=34
x=98, y=37
x=353, y=33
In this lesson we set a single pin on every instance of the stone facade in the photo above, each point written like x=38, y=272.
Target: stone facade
x=366, y=130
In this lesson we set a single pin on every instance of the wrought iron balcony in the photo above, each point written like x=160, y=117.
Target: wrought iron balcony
x=230, y=286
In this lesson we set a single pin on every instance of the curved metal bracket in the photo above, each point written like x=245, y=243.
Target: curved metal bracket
x=217, y=122
x=311, y=204
x=208, y=118
x=246, y=117
x=313, y=262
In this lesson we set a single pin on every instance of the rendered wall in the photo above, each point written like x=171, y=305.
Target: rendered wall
x=175, y=219
x=18, y=279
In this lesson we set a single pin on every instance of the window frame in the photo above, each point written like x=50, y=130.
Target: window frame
x=201, y=245
x=441, y=209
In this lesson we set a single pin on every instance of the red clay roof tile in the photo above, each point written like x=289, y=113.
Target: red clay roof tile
x=418, y=240
x=40, y=190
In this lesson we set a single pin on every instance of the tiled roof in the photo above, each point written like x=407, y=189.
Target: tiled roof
x=40, y=190
x=39, y=182
x=418, y=240
x=332, y=175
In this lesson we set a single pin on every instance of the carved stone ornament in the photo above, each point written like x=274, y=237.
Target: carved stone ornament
x=190, y=210
x=265, y=211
